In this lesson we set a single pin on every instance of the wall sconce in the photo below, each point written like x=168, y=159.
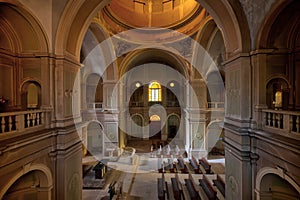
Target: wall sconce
x=68, y=93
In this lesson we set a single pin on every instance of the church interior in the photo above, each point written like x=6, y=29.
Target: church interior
x=149, y=99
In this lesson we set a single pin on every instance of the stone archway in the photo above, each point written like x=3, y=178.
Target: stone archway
x=275, y=183
x=31, y=95
x=277, y=43
x=173, y=125
x=214, y=137
x=76, y=20
x=43, y=181
x=155, y=127
x=95, y=139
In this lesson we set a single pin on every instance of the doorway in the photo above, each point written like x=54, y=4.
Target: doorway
x=155, y=127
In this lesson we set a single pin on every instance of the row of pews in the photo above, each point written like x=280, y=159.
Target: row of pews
x=197, y=167
x=190, y=189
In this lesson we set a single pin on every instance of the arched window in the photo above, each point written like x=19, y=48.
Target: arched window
x=154, y=118
x=154, y=92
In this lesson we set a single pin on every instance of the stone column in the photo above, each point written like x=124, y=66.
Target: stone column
x=47, y=83
x=186, y=115
x=254, y=157
x=69, y=173
x=238, y=116
x=258, y=60
x=122, y=104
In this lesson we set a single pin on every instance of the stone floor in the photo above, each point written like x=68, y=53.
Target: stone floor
x=138, y=179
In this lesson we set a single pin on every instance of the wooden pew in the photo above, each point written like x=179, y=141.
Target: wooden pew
x=220, y=184
x=207, y=188
x=194, y=195
x=176, y=191
x=182, y=166
x=161, y=187
x=179, y=183
x=194, y=165
x=207, y=167
x=193, y=182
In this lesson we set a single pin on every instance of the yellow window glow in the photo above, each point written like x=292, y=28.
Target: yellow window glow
x=154, y=91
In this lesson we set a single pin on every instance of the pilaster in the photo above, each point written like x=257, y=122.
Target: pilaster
x=238, y=116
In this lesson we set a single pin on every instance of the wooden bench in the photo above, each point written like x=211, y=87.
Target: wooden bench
x=207, y=188
x=193, y=182
x=194, y=195
x=176, y=191
x=207, y=167
x=182, y=166
x=179, y=183
x=220, y=184
x=160, y=189
x=195, y=166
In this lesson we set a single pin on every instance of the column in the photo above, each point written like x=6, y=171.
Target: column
x=238, y=114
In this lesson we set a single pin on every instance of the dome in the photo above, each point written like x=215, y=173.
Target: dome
x=173, y=14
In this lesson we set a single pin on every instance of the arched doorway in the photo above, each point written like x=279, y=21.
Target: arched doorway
x=214, y=138
x=28, y=183
x=34, y=181
x=155, y=127
x=95, y=139
x=31, y=95
x=278, y=94
x=94, y=91
x=173, y=125
x=274, y=184
x=136, y=128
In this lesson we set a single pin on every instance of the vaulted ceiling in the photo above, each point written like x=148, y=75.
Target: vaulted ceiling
x=181, y=15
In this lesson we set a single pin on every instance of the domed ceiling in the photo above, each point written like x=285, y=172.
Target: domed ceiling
x=181, y=15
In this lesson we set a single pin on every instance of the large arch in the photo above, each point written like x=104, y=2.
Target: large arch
x=143, y=56
x=276, y=171
x=265, y=31
x=46, y=178
x=95, y=139
x=278, y=38
x=78, y=16
x=232, y=23
x=19, y=25
x=75, y=20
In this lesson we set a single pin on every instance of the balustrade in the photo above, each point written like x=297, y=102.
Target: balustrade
x=282, y=121
x=20, y=121
x=215, y=105
x=95, y=106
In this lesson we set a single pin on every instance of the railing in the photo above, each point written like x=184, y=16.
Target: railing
x=21, y=121
x=95, y=106
x=215, y=105
x=282, y=121
x=173, y=104
x=136, y=104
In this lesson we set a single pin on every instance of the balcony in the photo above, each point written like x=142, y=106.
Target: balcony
x=282, y=122
x=95, y=106
x=136, y=104
x=173, y=104
x=215, y=105
x=23, y=121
